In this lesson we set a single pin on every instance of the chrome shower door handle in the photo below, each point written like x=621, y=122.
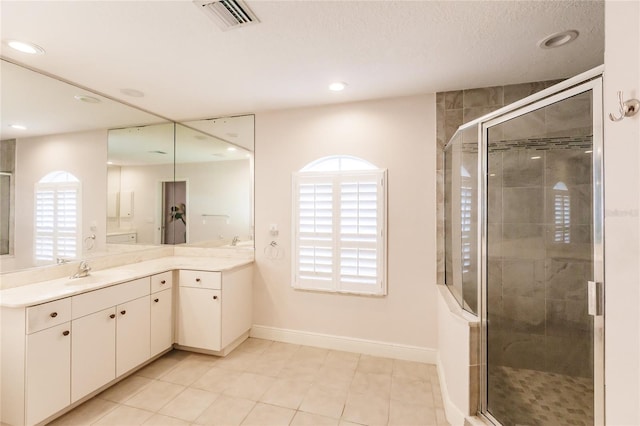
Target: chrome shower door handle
x=595, y=298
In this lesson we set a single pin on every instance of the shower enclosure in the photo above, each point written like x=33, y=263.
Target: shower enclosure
x=523, y=237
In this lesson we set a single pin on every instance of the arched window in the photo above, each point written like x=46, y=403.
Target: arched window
x=57, y=217
x=339, y=235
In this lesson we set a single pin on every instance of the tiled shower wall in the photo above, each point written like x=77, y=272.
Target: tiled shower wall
x=461, y=106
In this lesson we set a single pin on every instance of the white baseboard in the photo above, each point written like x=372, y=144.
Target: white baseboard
x=454, y=415
x=347, y=344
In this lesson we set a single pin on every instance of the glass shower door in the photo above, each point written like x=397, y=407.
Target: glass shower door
x=543, y=349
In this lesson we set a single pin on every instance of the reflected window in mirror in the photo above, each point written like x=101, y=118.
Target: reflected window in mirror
x=57, y=217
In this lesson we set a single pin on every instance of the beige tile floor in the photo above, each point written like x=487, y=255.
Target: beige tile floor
x=267, y=383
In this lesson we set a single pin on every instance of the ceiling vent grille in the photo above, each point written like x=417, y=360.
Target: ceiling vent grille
x=228, y=14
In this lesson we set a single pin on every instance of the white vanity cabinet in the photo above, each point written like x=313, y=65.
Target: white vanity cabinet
x=110, y=334
x=132, y=334
x=93, y=352
x=47, y=372
x=199, y=310
x=58, y=353
x=36, y=360
x=214, y=312
x=161, y=312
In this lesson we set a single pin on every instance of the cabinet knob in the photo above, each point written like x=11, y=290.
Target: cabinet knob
x=53, y=314
x=123, y=312
x=65, y=333
x=112, y=316
x=163, y=282
x=156, y=300
x=215, y=297
x=197, y=280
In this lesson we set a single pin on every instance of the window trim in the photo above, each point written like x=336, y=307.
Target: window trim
x=335, y=284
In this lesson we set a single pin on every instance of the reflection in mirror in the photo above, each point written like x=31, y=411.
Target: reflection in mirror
x=238, y=130
x=202, y=197
x=140, y=168
x=58, y=127
x=213, y=198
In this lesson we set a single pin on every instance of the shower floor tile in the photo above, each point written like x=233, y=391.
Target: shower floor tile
x=520, y=397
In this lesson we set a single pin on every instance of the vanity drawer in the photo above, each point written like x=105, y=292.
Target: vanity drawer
x=47, y=315
x=161, y=281
x=201, y=279
x=94, y=301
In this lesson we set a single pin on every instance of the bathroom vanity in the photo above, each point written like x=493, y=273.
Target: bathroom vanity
x=65, y=340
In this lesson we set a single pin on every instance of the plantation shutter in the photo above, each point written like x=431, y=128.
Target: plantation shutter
x=339, y=235
x=56, y=221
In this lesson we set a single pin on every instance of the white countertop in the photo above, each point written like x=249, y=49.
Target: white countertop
x=46, y=291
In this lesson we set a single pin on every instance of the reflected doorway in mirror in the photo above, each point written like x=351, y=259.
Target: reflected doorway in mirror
x=174, y=210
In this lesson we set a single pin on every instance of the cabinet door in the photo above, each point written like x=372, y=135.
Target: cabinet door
x=199, y=318
x=132, y=334
x=93, y=351
x=48, y=372
x=161, y=321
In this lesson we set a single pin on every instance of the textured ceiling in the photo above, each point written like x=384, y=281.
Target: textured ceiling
x=189, y=69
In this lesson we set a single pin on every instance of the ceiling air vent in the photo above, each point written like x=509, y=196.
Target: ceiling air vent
x=228, y=14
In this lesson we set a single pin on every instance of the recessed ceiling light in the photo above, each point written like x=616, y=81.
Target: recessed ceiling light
x=558, y=39
x=588, y=152
x=87, y=99
x=25, y=47
x=537, y=157
x=18, y=126
x=132, y=92
x=337, y=86
x=232, y=149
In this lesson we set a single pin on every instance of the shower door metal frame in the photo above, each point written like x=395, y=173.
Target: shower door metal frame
x=589, y=81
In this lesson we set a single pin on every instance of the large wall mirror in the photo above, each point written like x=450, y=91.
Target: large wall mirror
x=202, y=196
x=82, y=175
x=53, y=157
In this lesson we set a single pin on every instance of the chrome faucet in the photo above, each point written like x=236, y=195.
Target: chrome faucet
x=235, y=240
x=83, y=270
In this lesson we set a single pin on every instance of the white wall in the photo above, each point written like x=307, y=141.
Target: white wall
x=84, y=154
x=397, y=134
x=622, y=220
